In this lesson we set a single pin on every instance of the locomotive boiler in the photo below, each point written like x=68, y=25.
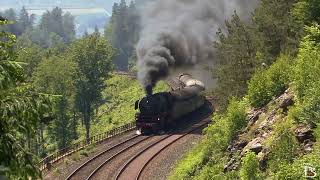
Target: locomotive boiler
x=159, y=111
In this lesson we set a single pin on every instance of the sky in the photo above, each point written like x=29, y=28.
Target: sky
x=110, y=4
x=107, y=4
x=88, y=13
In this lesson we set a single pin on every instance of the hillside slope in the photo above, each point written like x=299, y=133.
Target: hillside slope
x=120, y=93
x=271, y=133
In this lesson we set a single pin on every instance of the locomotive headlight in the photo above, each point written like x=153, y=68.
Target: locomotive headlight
x=158, y=119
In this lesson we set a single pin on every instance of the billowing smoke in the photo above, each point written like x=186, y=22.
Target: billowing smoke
x=180, y=33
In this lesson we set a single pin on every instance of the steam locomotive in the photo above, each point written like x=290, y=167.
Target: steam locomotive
x=158, y=111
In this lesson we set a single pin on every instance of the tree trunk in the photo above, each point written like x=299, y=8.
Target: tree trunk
x=74, y=126
x=87, y=124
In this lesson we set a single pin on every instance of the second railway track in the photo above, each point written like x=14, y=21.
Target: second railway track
x=82, y=171
x=128, y=159
x=129, y=162
x=133, y=168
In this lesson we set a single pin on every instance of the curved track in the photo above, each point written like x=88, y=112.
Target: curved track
x=77, y=173
x=108, y=160
x=129, y=159
x=133, y=168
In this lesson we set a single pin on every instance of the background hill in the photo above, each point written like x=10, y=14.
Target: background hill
x=88, y=14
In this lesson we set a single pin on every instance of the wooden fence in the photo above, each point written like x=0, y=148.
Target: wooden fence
x=47, y=162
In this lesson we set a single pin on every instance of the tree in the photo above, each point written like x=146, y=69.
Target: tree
x=96, y=31
x=32, y=56
x=85, y=34
x=238, y=56
x=306, y=12
x=41, y=38
x=133, y=27
x=68, y=28
x=55, y=22
x=21, y=111
x=52, y=21
x=25, y=21
x=55, y=76
x=13, y=28
x=93, y=55
x=273, y=19
x=122, y=31
x=21, y=23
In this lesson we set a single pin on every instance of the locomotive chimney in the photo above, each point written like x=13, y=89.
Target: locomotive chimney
x=149, y=90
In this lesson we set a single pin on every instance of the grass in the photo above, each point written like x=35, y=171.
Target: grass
x=206, y=161
x=120, y=93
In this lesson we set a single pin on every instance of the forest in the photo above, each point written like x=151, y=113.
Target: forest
x=54, y=86
x=56, y=89
x=261, y=62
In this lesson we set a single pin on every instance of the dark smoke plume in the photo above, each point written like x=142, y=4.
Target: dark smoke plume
x=179, y=33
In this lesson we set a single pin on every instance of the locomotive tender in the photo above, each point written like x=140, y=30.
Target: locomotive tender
x=158, y=111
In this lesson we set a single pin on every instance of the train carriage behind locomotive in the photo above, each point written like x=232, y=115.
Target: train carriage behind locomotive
x=158, y=111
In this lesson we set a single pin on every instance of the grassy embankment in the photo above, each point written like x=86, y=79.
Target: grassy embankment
x=286, y=157
x=121, y=93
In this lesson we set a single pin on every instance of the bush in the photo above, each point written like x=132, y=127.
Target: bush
x=307, y=68
x=296, y=170
x=307, y=110
x=208, y=156
x=266, y=84
x=259, y=89
x=250, y=167
x=227, y=125
x=306, y=75
x=283, y=145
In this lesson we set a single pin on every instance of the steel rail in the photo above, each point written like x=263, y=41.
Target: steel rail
x=95, y=171
x=152, y=145
x=99, y=155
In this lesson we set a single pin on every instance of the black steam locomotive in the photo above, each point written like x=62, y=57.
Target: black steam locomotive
x=159, y=110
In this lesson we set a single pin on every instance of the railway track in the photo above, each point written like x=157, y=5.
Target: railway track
x=129, y=158
x=81, y=171
x=133, y=167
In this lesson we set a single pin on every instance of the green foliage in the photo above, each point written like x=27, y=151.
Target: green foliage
x=58, y=23
x=308, y=109
x=41, y=38
x=277, y=28
x=306, y=70
x=92, y=55
x=207, y=160
x=22, y=22
x=123, y=32
x=21, y=111
x=121, y=93
x=296, y=170
x=279, y=31
x=306, y=12
x=270, y=83
x=32, y=56
x=274, y=29
x=249, y=167
x=55, y=76
x=259, y=89
x=306, y=78
x=283, y=145
x=238, y=57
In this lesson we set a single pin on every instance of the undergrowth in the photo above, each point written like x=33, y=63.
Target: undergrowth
x=207, y=159
x=286, y=159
